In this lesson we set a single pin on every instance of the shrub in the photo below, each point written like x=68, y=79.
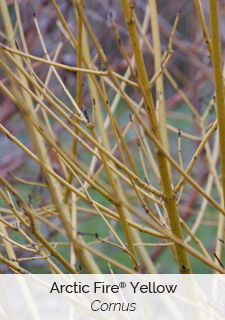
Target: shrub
x=112, y=148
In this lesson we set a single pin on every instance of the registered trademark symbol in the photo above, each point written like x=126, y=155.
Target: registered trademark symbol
x=122, y=284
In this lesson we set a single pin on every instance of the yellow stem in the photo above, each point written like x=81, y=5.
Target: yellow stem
x=219, y=83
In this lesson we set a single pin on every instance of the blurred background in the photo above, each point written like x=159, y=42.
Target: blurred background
x=190, y=67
